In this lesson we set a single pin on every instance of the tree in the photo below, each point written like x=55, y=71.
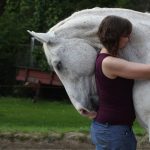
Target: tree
x=39, y=15
x=138, y=5
x=2, y=5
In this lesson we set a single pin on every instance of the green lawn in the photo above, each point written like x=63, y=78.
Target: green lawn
x=21, y=115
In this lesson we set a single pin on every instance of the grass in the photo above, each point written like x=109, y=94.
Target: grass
x=21, y=115
x=138, y=130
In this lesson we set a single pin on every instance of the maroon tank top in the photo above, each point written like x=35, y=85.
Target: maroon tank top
x=115, y=97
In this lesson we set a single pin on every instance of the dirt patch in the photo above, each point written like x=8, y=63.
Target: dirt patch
x=68, y=141
x=143, y=143
x=52, y=141
x=44, y=145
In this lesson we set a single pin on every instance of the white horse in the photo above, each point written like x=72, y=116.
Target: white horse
x=70, y=47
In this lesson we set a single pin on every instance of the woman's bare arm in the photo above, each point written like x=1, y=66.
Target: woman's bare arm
x=114, y=67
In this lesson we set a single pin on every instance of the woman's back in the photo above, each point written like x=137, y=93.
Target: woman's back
x=115, y=97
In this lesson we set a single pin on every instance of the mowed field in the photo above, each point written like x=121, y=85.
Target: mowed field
x=47, y=124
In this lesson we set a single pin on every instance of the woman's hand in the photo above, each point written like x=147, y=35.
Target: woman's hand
x=92, y=115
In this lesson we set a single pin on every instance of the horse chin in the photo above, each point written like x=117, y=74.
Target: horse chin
x=85, y=110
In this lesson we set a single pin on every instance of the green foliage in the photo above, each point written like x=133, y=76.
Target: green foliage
x=40, y=59
x=39, y=15
x=138, y=5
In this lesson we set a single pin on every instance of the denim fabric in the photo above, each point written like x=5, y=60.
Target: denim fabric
x=112, y=137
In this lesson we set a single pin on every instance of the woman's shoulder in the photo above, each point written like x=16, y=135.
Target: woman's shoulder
x=111, y=60
x=112, y=66
x=107, y=65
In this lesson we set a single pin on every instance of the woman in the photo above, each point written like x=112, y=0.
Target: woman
x=111, y=128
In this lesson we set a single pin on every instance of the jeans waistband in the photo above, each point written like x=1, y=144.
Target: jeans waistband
x=110, y=124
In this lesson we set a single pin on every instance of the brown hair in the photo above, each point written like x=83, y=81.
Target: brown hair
x=110, y=31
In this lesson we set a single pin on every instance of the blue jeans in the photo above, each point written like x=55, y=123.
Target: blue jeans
x=112, y=137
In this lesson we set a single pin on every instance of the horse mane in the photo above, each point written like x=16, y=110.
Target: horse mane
x=84, y=24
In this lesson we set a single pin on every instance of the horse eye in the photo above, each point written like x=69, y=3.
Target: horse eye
x=59, y=66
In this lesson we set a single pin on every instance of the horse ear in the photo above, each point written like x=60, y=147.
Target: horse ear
x=42, y=37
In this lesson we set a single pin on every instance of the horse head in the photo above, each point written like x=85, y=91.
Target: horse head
x=73, y=60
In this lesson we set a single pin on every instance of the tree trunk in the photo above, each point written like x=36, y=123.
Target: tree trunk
x=2, y=5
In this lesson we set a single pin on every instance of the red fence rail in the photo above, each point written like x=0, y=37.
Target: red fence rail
x=36, y=78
